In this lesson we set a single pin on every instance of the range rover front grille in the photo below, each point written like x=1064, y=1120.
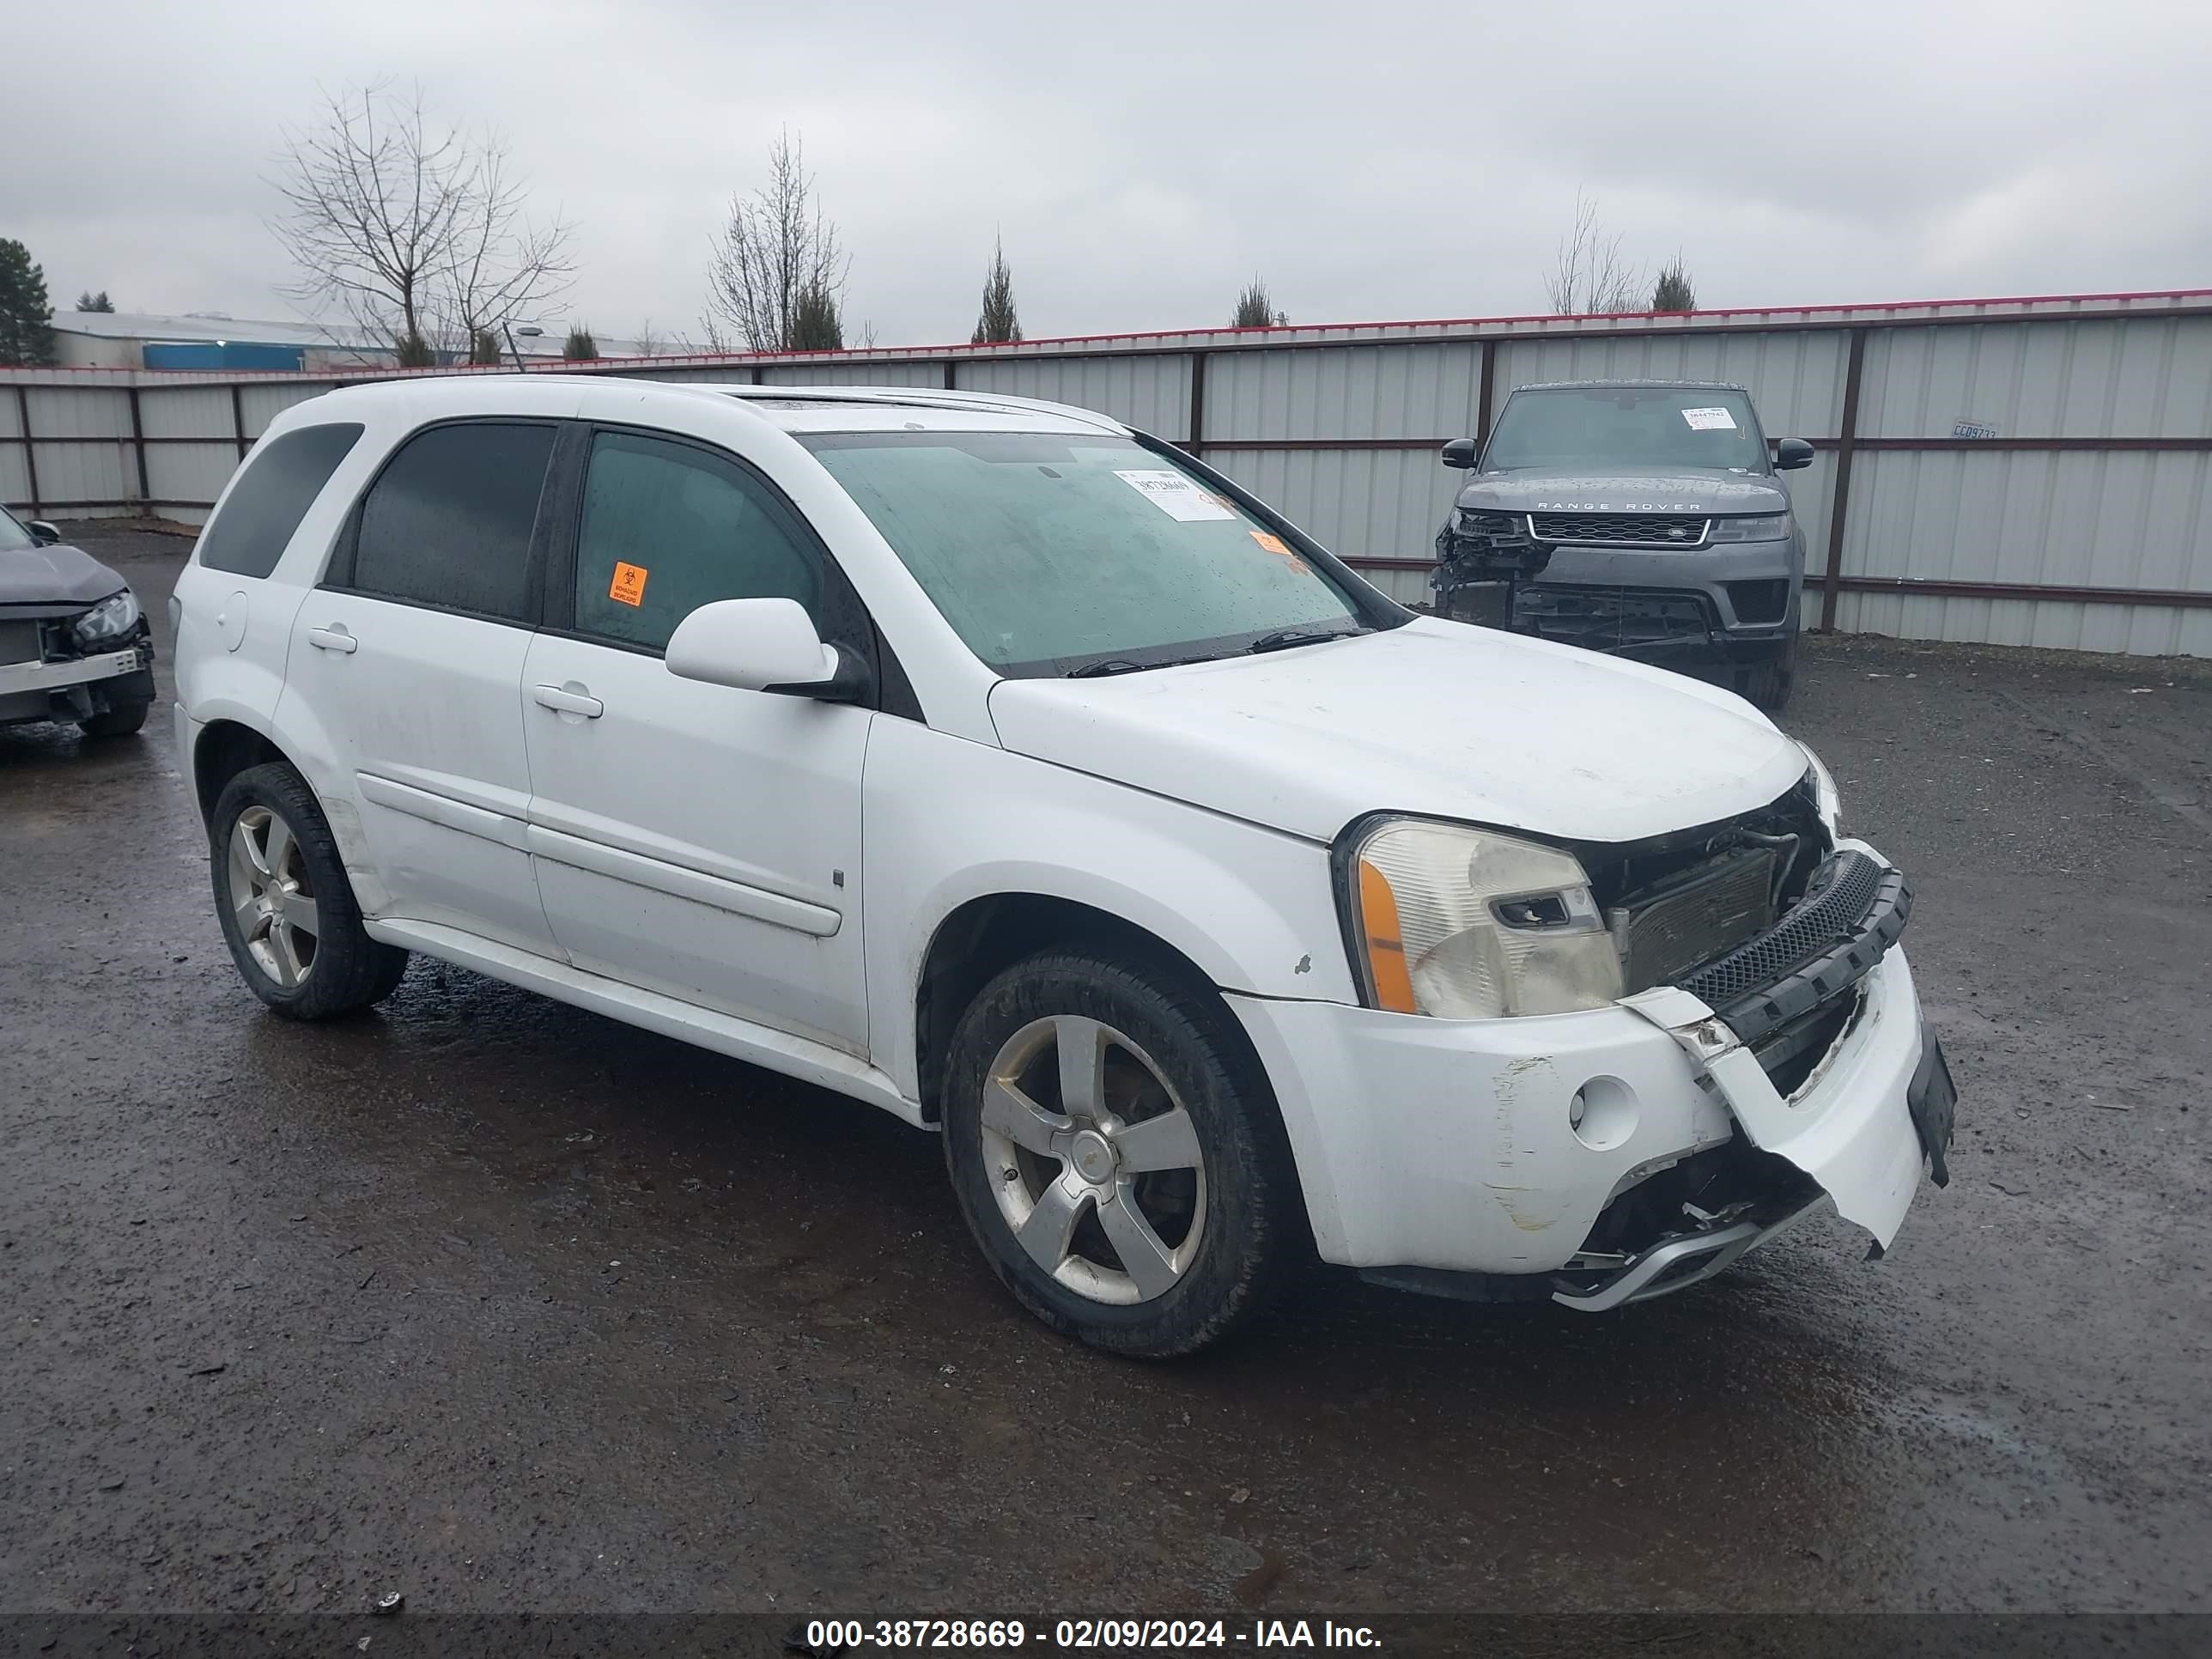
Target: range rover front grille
x=1635, y=529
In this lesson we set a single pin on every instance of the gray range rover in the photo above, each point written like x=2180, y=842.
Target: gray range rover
x=1642, y=518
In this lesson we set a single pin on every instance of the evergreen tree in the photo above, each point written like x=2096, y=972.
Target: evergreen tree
x=580, y=347
x=1255, y=308
x=27, y=335
x=817, y=323
x=998, y=323
x=484, y=348
x=1675, y=291
x=90, y=302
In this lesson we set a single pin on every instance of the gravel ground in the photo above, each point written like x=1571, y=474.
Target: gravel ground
x=506, y=1306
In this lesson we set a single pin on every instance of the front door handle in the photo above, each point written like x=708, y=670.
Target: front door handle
x=333, y=638
x=570, y=699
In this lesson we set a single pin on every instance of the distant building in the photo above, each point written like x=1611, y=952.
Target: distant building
x=124, y=339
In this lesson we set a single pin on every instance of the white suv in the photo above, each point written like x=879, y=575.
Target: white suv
x=1008, y=769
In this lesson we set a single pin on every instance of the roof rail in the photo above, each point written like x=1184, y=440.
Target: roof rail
x=918, y=397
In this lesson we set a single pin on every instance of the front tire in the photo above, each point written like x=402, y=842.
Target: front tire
x=120, y=721
x=1771, y=683
x=1116, y=1152
x=288, y=911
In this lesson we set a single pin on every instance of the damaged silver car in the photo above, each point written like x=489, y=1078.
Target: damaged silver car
x=75, y=646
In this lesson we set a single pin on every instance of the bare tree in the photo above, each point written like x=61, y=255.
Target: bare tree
x=503, y=266
x=649, y=341
x=777, y=269
x=1589, y=278
x=997, y=324
x=412, y=229
x=1256, y=307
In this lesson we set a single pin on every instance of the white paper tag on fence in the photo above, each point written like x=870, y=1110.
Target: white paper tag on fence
x=1176, y=495
x=1709, y=420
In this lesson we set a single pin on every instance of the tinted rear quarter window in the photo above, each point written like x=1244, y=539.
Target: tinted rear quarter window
x=448, y=521
x=281, y=479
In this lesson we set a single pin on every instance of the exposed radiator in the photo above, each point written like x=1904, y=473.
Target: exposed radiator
x=1691, y=918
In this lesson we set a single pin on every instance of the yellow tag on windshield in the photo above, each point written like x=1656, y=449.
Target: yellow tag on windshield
x=1270, y=543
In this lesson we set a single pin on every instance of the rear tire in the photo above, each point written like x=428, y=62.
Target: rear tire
x=287, y=910
x=1116, y=1152
x=119, y=722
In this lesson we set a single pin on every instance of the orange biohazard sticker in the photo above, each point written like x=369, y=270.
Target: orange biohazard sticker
x=628, y=586
x=1270, y=543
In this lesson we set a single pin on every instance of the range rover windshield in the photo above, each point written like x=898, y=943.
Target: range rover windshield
x=1611, y=427
x=1059, y=554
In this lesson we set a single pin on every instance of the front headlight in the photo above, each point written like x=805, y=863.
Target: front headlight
x=1767, y=527
x=1485, y=523
x=1468, y=924
x=1826, y=800
x=111, y=619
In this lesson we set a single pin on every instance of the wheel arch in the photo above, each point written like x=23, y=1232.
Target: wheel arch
x=979, y=939
x=223, y=749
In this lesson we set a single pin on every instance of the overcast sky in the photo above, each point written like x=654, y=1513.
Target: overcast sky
x=1374, y=161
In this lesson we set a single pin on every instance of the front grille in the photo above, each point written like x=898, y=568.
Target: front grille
x=1607, y=618
x=1853, y=910
x=1663, y=529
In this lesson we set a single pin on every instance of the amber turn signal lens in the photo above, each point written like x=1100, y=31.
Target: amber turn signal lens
x=1386, y=948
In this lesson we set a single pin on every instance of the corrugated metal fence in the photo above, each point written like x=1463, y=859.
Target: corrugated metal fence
x=2019, y=471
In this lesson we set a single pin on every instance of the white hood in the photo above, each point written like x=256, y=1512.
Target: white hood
x=1434, y=718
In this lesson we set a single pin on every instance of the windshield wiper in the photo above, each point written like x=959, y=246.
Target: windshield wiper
x=1284, y=638
x=1093, y=671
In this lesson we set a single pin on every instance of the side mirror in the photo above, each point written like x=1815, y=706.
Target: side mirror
x=763, y=645
x=1791, y=454
x=42, y=532
x=1462, y=452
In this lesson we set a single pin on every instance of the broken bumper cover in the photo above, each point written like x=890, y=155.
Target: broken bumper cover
x=73, y=686
x=1453, y=1146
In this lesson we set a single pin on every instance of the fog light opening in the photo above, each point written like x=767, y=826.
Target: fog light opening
x=1603, y=1113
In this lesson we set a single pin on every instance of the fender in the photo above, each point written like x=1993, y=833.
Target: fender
x=946, y=820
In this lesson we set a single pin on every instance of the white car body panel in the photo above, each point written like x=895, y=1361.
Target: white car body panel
x=765, y=875
x=1434, y=718
x=691, y=839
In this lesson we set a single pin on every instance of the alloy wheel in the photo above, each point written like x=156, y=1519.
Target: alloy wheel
x=1095, y=1162
x=272, y=898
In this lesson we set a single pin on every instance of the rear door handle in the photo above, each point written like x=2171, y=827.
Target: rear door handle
x=563, y=701
x=333, y=638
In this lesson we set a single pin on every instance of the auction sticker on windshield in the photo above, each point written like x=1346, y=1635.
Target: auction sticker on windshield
x=1178, y=497
x=1709, y=420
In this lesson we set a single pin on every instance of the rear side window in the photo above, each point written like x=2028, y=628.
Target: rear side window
x=281, y=479
x=667, y=528
x=448, y=521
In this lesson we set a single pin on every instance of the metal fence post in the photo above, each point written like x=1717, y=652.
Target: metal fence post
x=238, y=419
x=1487, y=404
x=1197, y=436
x=138, y=443
x=30, y=449
x=1846, y=443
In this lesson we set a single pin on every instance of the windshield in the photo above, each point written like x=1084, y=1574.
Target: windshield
x=1048, y=553
x=12, y=534
x=1617, y=426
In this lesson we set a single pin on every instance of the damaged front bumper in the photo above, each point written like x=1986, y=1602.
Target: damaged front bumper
x=1488, y=1151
